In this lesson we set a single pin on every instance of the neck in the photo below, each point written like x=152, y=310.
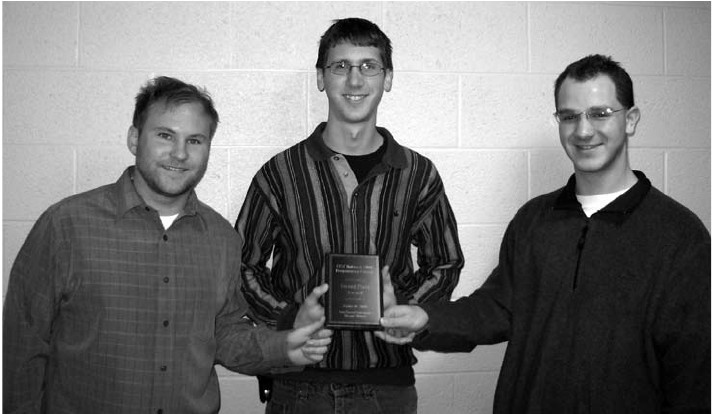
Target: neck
x=593, y=184
x=358, y=139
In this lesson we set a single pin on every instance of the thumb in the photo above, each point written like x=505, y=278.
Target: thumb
x=386, y=281
x=398, y=311
x=313, y=297
x=386, y=276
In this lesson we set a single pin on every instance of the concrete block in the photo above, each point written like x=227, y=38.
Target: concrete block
x=435, y=393
x=155, y=35
x=483, y=187
x=40, y=33
x=30, y=190
x=89, y=108
x=460, y=37
x=688, y=41
x=508, y=111
x=244, y=163
x=318, y=105
x=14, y=234
x=238, y=395
x=483, y=358
x=422, y=110
x=561, y=33
x=474, y=392
x=651, y=162
x=214, y=188
x=294, y=28
x=256, y=108
x=689, y=181
x=549, y=170
x=675, y=112
x=481, y=245
x=97, y=166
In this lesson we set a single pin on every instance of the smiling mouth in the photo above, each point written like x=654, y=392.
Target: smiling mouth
x=587, y=147
x=174, y=169
x=355, y=98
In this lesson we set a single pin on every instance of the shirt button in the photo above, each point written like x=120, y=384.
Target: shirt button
x=165, y=323
x=165, y=237
x=165, y=280
x=346, y=174
x=163, y=368
x=336, y=158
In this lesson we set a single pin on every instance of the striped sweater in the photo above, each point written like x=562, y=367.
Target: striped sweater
x=306, y=202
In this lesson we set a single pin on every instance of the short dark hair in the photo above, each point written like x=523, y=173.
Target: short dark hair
x=359, y=32
x=592, y=66
x=171, y=91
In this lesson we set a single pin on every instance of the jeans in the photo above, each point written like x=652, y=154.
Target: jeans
x=295, y=397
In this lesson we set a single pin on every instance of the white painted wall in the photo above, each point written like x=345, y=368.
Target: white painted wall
x=472, y=90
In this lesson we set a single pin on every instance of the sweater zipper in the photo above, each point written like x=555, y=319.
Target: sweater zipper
x=580, y=248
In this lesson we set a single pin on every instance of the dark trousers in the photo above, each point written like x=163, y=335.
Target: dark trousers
x=294, y=397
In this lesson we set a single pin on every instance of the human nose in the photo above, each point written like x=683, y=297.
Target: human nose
x=584, y=127
x=354, y=76
x=178, y=151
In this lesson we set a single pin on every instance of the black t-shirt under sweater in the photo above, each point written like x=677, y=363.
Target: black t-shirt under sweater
x=363, y=164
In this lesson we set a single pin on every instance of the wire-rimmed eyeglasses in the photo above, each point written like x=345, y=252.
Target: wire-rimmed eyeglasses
x=592, y=114
x=341, y=68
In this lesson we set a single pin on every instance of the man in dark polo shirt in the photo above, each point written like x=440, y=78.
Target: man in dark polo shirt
x=603, y=286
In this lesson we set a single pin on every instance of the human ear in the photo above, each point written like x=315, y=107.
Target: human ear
x=320, y=80
x=132, y=139
x=633, y=115
x=388, y=78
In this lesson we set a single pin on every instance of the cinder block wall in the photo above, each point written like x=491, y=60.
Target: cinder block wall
x=472, y=90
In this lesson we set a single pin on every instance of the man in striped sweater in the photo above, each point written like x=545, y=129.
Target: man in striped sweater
x=350, y=187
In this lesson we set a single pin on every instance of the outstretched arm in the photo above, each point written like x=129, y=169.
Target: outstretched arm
x=252, y=350
x=481, y=318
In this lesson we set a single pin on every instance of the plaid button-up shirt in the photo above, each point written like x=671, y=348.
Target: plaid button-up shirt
x=115, y=314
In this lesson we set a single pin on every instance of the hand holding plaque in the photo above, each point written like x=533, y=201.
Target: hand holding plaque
x=354, y=298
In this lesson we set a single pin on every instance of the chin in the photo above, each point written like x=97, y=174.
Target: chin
x=177, y=189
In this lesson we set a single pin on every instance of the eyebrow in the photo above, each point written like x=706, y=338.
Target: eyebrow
x=587, y=109
x=172, y=131
x=163, y=129
x=367, y=60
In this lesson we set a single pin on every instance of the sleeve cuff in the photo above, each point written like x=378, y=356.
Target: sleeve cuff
x=273, y=346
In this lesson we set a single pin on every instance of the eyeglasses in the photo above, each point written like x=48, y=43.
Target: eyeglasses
x=592, y=114
x=367, y=68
